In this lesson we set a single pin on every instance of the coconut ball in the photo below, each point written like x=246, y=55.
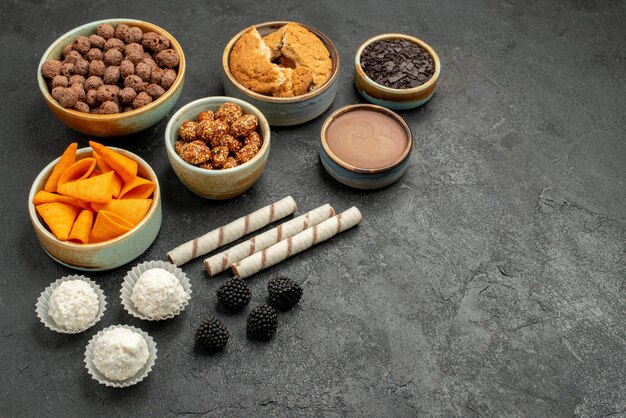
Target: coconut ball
x=158, y=293
x=120, y=353
x=73, y=305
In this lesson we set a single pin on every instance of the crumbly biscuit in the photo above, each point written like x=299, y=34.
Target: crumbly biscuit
x=305, y=49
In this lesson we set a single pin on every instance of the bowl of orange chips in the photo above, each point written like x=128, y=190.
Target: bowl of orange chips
x=95, y=208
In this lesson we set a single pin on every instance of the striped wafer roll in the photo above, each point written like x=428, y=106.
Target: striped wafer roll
x=298, y=243
x=220, y=262
x=232, y=231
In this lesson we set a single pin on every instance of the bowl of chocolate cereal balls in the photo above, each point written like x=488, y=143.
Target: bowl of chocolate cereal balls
x=112, y=77
x=218, y=146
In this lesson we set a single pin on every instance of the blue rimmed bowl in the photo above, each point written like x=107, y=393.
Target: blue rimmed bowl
x=284, y=111
x=364, y=178
x=397, y=99
x=116, y=124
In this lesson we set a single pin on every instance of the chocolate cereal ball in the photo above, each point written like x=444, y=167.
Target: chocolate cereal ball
x=127, y=95
x=135, y=57
x=168, y=79
x=207, y=115
x=76, y=79
x=80, y=91
x=229, y=112
x=155, y=91
x=187, y=131
x=156, y=76
x=167, y=58
x=114, y=43
x=160, y=43
x=81, y=107
x=51, y=68
x=246, y=153
x=141, y=100
x=59, y=81
x=144, y=71
x=111, y=75
x=56, y=92
x=121, y=30
x=151, y=63
x=82, y=68
x=68, y=69
x=219, y=155
x=133, y=47
x=107, y=93
x=93, y=82
x=134, y=82
x=127, y=68
x=106, y=31
x=95, y=54
x=113, y=57
x=68, y=97
x=211, y=131
x=73, y=57
x=109, y=108
x=147, y=38
x=91, y=99
x=244, y=125
x=253, y=138
x=97, y=41
x=82, y=44
x=96, y=67
x=66, y=50
x=134, y=34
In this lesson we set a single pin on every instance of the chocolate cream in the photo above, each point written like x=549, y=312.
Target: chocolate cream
x=366, y=139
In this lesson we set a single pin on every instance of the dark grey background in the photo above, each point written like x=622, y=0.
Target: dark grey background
x=488, y=281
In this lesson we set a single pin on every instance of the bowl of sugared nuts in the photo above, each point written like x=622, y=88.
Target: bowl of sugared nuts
x=112, y=77
x=218, y=146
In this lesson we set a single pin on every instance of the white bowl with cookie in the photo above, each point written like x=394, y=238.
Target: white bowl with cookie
x=287, y=70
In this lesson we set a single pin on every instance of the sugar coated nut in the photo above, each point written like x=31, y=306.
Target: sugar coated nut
x=168, y=79
x=159, y=43
x=253, y=138
x=114, y=43
x=231, y=143
x=95, y=54
x=167, y=58
x=195, y=152
x=230, y=163
x=59, y=81
x=127, y=68
x=219, y=155
x=68, y=69
x=134, y=82
x=134, y=34
x=207, y=115
x=96, y=67
x=81, y=44
x=127, y=95
x=113, y=57
x=93, y=82
x=109, y=108
x=91, y=98
x=245, y=124
x=105, y=30
x=141, y=100
x=229, y=112
x=143, y=70
x=212, y=130
x=206, y=165
x=107, y=93
x=73, y=57
x=155, y=91
x=82, y=107
x=121, y=30
x=51, y=68
x=187, y=131
x=147, y=38
x=82, y=68
x=246, y=153
x=111, y=75
x=68, y=97
x=97, y=41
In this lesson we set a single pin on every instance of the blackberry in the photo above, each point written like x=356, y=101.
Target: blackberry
x=284, y=293
x=212, y=334
x=262, y=322
x=234, y=294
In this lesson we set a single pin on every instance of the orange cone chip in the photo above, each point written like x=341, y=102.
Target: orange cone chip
x=66, y=160
x=81, y=169
x=59, y=217
x=95, y=189
x=46, y=197
x=124, y=166
x=139, y=188
x=82, y=227
x=133, y=210
x=102, y=165
x=108, y=226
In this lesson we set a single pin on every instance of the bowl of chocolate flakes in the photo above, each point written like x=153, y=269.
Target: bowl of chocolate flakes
x=112, y=77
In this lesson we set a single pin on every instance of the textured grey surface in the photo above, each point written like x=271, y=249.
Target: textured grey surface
x=488, y=281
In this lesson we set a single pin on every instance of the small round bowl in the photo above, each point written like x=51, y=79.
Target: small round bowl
x=284, y=111
x=103, y=255
x=117, y=124
x=364, y=178
x=216, y=184
x=398, y=99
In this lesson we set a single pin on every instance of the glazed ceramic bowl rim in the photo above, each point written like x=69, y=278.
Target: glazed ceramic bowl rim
x=363, y=106
x=412, y=39
x=63, y=39
x=76, y=246
x=272, y=99
x=170, y=136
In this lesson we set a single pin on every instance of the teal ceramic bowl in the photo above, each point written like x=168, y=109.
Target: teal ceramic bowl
x=103, y=255
x=118, y=124
x=216, y=184
x=397, y=99
x=364, y=178
x=284, y=111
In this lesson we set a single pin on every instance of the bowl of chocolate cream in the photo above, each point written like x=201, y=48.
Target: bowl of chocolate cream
x=365, y=146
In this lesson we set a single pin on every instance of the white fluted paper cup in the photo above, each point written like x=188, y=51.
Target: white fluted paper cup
x=42, y=306
x=133, y=275
x=138, y=377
